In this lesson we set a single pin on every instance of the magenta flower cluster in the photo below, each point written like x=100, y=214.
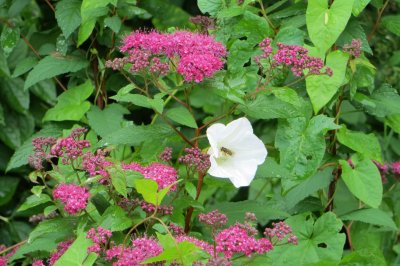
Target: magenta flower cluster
x=354, y=48
x=142, y=248
x=197, y=55
x=163, y=174
x=166, y=155
x=196, y=159
x=214, y=219
x=280, y=231
x=100, y=238
x=74, y=198
x=41, y=147
x=96, y=164
x=293, y=56
x=70, y=148
x=61, y=249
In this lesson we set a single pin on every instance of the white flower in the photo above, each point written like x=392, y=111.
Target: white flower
x=235, y=151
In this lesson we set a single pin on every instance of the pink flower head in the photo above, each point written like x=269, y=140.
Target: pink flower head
x=41, y=147
x=166, y=155
x=70, y=148
x=163, y=174
x=396, y=168
x=354, y=48
x=96, y=164
x=142, y=249
x=235, y=239
x=74, y=198
x=214, y=218
x=38, y=263
x=61, y=249
x=195, y=158
x=199, y=243
x=99, y=237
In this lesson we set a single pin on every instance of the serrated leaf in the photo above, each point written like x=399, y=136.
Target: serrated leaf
x=76, y=253
x=72, y=104
x=324, y=23
x=115, y=219
x=68, y=16
x=364, y=180
x=181, y=116
x=108, y=120
x=252, y=26
x=138, y=99
x=371, y=216
x=383, y=102
x=33, y=201
x=240, y=53
x=302, y=144
x=14, y=94
x=210, y=6
x=149, y=190
x=9, y=38
x=321, y=88
x=114, y=23
x=118, y=180
x=319, y=240
x=24, y=66
x=392, y=23
x=367, y=145
x=53, y=65
x=21, y=155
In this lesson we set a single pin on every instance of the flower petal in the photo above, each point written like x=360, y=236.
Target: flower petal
x=249, y=148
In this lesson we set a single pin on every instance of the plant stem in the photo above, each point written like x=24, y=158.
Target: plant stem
x=191, y=209
x=13, y=246
x=378, y=20
x=264, y=13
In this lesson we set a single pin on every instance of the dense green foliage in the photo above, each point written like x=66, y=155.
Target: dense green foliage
x=326, y=136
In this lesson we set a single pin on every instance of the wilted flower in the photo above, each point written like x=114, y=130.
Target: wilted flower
x=235, y=151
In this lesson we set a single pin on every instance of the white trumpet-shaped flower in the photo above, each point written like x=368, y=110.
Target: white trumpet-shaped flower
x=235, y=151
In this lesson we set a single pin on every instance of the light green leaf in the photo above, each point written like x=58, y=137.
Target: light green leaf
x=76, y=253
x=24, y=66
x=72, y=104
x=9, y=38
x=138, y=99
x=85, y=30
x=367, y=145
x=33, y=201
x=253, y=27
x=359, y=6
x=182, y=116
x=364, y=180
x=394, y=122
x=182, y=251
x=68, y=16
x=364, y=256
x=118, y=180
x=392, y=23
x=321, y=88
x=290, y=35
x=53, y=65
x=319, y=240
x=210, y=6
x=325, y=24
x=115, y=219
x=371, y=216
x=149, y=190
x=302, y=143
x=106, y=121
x=8, y=186
x=114, y=23
x=240, y=53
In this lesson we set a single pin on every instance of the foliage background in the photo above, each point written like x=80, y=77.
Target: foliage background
x=48, y=46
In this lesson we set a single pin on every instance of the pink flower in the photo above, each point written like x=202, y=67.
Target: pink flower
x=96, y=164
x=38, y=263
x=99, y=237
x=61, y=249
x=195, y=158
x=199, y=243
x=74, y=198
x=214, y=218
x=396, y=168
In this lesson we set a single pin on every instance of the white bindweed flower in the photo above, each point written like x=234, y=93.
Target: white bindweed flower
x=235, y=151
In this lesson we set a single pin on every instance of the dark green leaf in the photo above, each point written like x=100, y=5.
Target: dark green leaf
x=392, y=23
x=13, y=92
x=8, y=186
x=106, y=121
x=182, y=116
x=210, y=6
x=371, y=216
x=115, y=219
x=68, y=16
x=24, y=66
x=9, y=38
x=114, y=23
x=33, y=201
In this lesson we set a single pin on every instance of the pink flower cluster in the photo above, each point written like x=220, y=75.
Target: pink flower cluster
x=38, y=263
x=199, y=243
x=198, y=55
x=61, y=249
x=70, y=148
x=294, y=56
x=236, y=239
x=74, y=198
x=100, y=238
x=214, y=218
x=280, y=230
x=195, y=158
x=96, y=164
x=4, y=258
x=142, y=248
x=354, y=48
x=396, y=168
x=41, y=145
x=166, y=155
x=163, y=174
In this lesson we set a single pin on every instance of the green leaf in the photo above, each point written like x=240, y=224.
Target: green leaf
x=182, y=116
x=9, y=38
x=325, y=24
x=85, y=30
x=46, y=91
x=252, y=26
x=392, y=23
x=21, y=155
x=321, y=88
x=4, y=70
x=302, y=144
x=183, y=251
x=106, y=121
x=53, y=65
x=319, y=240
x=371, y=216
x=14, y=94
x=211, y=7
x=235, y=211
x=394, y=122
x=118, y=180
x=367, y=145
x=364, y=180
x=318, y=181
x=383, y=102
x=114, y=23
x=123, y=95
x=359, y=6
x=76, y=254
x=240, y=53
x=33, y=201
x=354, y=30
x=24, y=66
x=115, y=219
x=365, y=256
x=68, y=16
x=290, y=35
x=8, y=186
x=100, y=202
x=72, y=104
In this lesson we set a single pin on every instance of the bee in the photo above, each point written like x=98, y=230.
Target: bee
x=226, y=151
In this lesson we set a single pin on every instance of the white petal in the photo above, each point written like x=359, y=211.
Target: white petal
x=250, y=147
x=242, y=174
x=235, y=131
x=214, y=134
